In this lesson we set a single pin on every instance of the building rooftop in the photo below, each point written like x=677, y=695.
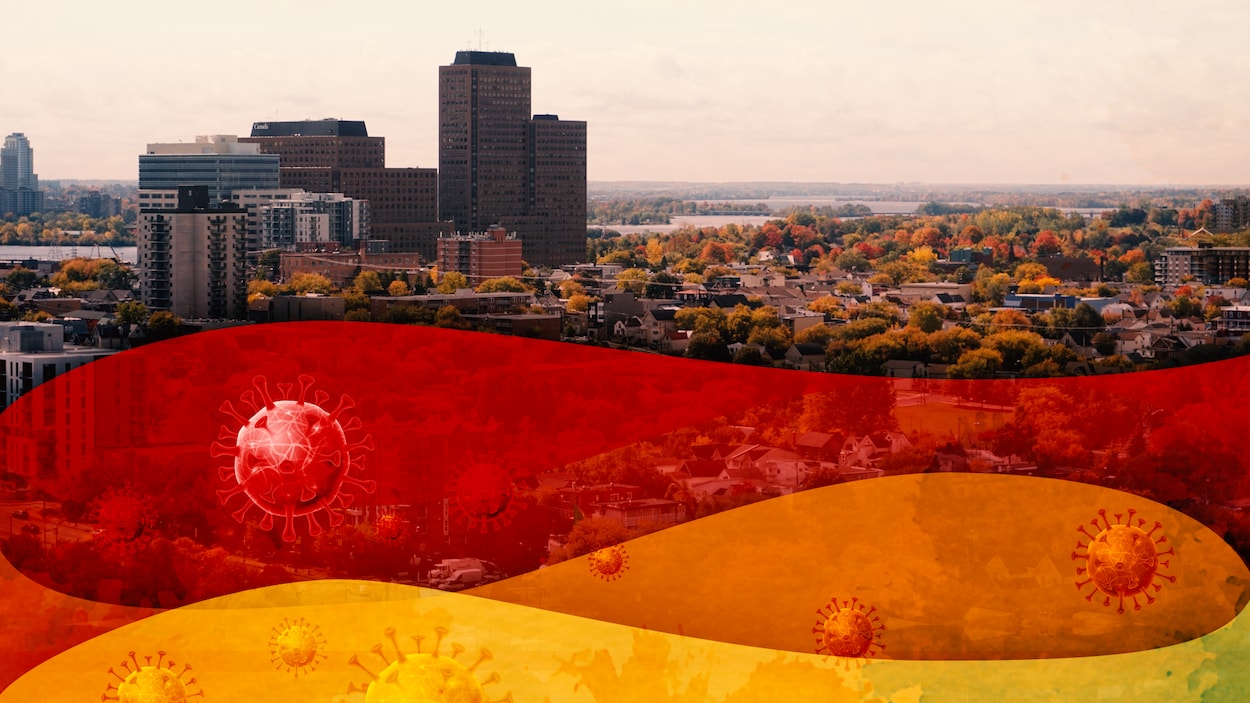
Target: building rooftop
x=484, y=58
x=328, y=127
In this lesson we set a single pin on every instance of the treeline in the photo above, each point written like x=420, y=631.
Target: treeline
x=64, y=228
x=658, y=211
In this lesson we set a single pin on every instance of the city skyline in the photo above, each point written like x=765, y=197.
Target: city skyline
x=958, y=93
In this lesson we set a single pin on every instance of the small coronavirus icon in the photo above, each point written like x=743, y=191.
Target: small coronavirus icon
x=149, y=682
x=123, y=517
x=609, y=563
x=425, y=677
x=1122, y=560
x=296, y=646
x=483, y=495
x=291, y=457
x=847, y=630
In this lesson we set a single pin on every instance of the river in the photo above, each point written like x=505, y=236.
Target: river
x=127, y=255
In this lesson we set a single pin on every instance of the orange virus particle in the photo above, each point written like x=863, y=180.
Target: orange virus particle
x=484, y=496
x=296, y=646
x=149, y=682
x=1122, y=560
x=847, y=630
x=609, y=563
x=425, y=677
x=291, y=457
x=123, y=518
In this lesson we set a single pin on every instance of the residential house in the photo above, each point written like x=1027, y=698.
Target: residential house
x=806, y=357
x=869, y=449
x=657, y=324
x=645, y=513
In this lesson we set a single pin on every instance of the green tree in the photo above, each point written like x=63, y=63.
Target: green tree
x=976, y=363
x=1017, y=350
x=926, y=316
x=707, y=345
x=662, y=285
x=775, y=340
x=1141, y=273
x=589, y=535
x=131, y=313
x=20, y=279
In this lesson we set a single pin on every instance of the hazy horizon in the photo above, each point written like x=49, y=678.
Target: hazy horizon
x=973, y=93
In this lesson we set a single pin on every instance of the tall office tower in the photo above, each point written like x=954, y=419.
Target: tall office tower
x=497, y=165
x=19, y=186
x=193, y=257
x=220, y=163
x=339, y=156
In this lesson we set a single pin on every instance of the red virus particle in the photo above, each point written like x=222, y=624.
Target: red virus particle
x=847, y=630
x=291, y=457
x=150, y=683
x=484, y=496
x=123, y=519
x=609, y=563
x=389, y=526
x=1122, y=560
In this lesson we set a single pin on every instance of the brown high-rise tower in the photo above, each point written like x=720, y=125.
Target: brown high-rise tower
x=498, y=165
x=339, y=156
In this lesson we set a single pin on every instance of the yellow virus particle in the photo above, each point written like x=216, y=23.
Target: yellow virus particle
x=1122, y=560
x=150, y=683
x=609, y=563
x=847, y=630
x=296, y=646
x=425, y=677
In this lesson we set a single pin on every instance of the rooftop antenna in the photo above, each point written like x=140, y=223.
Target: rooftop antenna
x=479, y=38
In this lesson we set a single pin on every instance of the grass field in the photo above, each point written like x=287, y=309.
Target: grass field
x=942, y=420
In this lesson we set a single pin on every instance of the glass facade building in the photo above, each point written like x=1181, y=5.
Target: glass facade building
x=222, y=174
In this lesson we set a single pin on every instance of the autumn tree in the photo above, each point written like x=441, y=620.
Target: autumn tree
x=633, y=280
x=259, y=286
x=451, y=282
x=303, y=283
x=579, y=302
x=398, y=289
x=163, y=320
x=503, y=284
x=367, y=282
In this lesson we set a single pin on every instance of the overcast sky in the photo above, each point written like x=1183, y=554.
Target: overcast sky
x=959, y=91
